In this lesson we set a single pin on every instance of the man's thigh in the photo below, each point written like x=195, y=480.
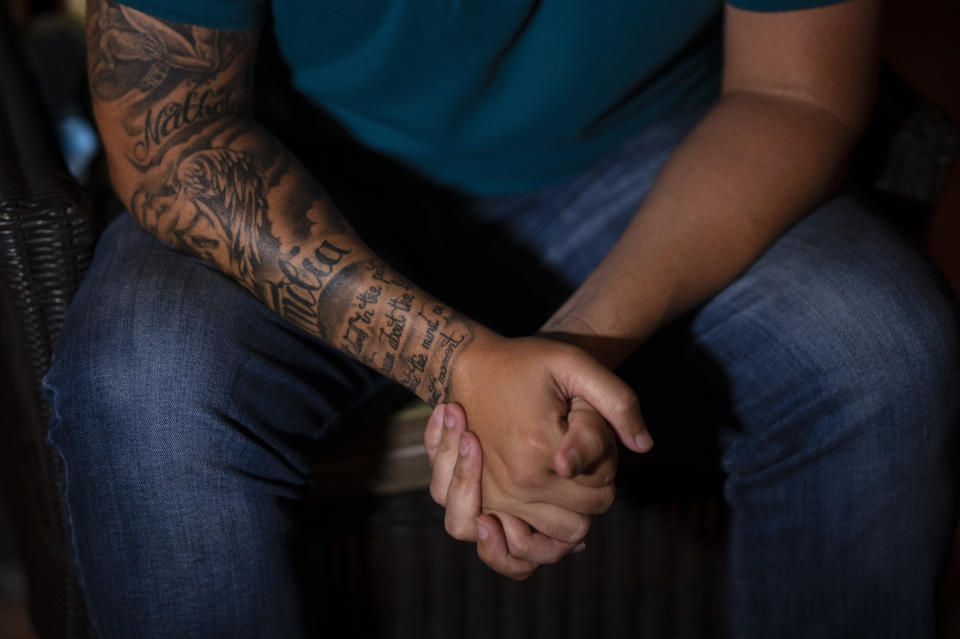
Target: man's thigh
x=827, y=377
x=186, y=413
x=837, y=353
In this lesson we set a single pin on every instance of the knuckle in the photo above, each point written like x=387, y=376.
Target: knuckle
x=591, y=504
x=594, y=500
x=454, y=529
x=519, y=547
x=576, y=529
x=606, y=473
x=605, y=499
x=626, y=402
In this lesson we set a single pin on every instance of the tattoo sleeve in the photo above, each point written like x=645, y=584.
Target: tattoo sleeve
x=172, y=102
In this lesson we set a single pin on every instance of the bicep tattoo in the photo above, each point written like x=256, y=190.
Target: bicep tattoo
x=130, y=54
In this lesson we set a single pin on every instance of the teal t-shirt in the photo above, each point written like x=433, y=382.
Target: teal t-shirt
x=490, y=96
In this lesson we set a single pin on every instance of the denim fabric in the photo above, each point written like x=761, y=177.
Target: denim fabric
x=185, y=413
x=184, y=410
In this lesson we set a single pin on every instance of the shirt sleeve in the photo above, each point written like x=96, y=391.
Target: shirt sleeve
x=239, y=15
x=780, y=5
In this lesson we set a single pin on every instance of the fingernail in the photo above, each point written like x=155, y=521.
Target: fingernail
x=464, y=445
x=644, y=441
x=436, y=416
x=447, y=418
x=482, y=532
x=580, y=547
x=573, y=458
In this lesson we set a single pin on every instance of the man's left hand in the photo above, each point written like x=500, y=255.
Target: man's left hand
x=504, y=542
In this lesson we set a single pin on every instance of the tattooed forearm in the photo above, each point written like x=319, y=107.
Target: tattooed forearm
x=296, y=296
x=375, y=315
x=173, y=104
x=216, y=205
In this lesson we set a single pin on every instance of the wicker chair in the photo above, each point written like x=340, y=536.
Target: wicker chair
x=46, y=241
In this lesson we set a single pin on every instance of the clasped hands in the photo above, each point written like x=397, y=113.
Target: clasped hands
x=524, y=455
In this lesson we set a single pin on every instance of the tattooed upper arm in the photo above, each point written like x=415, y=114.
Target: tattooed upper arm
x=155, y=82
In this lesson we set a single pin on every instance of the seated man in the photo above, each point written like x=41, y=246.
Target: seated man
x=608, y=141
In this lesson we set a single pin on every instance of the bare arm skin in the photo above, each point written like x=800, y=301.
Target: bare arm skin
x=797, y=88
x=172, y=102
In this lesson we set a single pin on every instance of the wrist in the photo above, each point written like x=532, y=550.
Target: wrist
x=468, y=364
x=383, y=320
x=609, y=349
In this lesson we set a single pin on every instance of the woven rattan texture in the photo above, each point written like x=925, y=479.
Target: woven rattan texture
x=46, y=241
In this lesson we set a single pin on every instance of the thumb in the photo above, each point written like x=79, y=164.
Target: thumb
x=609, y=395
x=586, y=442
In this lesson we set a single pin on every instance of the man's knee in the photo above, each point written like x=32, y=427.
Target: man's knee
x=827, y=347
x=141, y=357
x=895, y=365
x=896, y=354
x=127, y=395
x=161, y=478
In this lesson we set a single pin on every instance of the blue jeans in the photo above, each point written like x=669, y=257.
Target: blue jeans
x=186, y=414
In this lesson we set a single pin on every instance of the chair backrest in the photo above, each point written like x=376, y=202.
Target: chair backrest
x=46, y=242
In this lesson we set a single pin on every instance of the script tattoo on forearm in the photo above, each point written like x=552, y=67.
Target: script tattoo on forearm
x=215, y=205
x=213, y=200
x=219, y=187
x=394, y=327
